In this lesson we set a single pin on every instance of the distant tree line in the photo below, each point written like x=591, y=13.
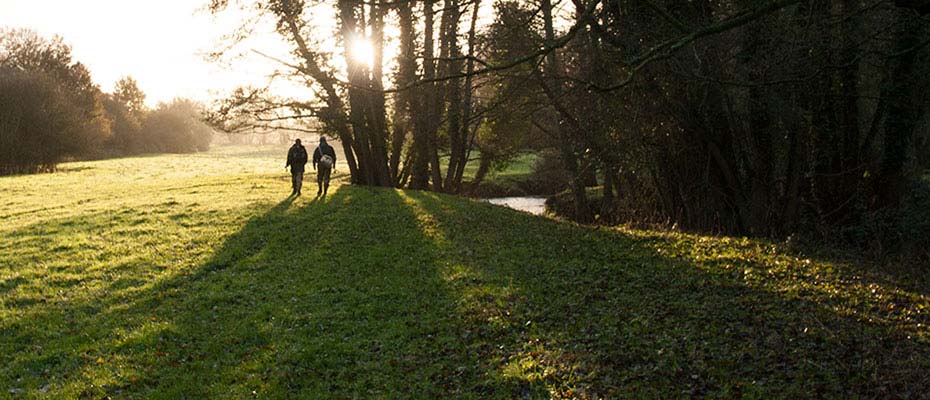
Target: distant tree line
x=761, y=117
x=50, y=111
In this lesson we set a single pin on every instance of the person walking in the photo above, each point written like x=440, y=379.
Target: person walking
x=325, y=157
x=296, y=159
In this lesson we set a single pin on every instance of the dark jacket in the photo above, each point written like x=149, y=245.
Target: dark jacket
x=296, y=158
x=320, y=151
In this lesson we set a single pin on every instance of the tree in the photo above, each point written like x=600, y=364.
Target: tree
x=32, y=127
x=51, y=107
x=759, y=117
x=176, y=127
x=127, y=93
x=356, y=109
x=126, y=128
x=126, y=110
x=357, y=128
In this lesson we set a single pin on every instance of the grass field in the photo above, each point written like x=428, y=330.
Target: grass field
x=510, y=179
x=514, y=178
x=196, y=277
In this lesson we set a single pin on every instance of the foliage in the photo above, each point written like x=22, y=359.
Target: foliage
x=51, y=111
x=898, y=236
x=190, y=276
x=548, y=173
x=514, y=177
x=176, y=127
x=801, y=120
x=126, y=128
x=528, y=173
x=26, y=144
x=562, y=205
x=126, y=110
x=49, y=105
x=756, y=117
x=127, y=93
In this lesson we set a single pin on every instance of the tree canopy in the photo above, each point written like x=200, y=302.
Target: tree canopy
x=754, y=117
x=51, y=110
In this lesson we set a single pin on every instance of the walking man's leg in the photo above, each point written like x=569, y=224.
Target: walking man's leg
x=300, y=181
x=326, y=174
x=293, y=183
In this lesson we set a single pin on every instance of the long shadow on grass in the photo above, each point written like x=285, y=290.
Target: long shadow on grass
x=68, y=340
x=388, y=294
x=337, y=298
x=590, y=312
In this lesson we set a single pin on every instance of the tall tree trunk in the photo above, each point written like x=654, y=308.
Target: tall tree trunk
x=403, y=100
x=358, y=76
x=849, y=90
x=424, y=132
x=453, y=90
x=467, y=101
x=484, y=166
x=565, y=133
x=760, y=134
x=792, y=194
x=377, y=109
x=607, y=200
x=903, y=113
x=437, y=94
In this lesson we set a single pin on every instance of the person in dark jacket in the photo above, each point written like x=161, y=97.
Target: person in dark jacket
x=325, y=157
x=296, y=159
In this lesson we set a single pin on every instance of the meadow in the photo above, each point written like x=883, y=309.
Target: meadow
x=196, y=276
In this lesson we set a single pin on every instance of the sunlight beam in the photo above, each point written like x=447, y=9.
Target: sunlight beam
x=362, y=52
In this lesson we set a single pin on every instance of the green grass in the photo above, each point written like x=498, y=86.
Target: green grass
x=514, y=178
x=517, y=169
x=511, y=179
x=194, y=276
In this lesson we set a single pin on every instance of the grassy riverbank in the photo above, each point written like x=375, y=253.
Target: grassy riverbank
x=195, y=276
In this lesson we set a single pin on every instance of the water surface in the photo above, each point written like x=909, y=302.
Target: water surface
x=532, y=205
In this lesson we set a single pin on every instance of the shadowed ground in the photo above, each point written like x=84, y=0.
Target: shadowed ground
x=218, y=286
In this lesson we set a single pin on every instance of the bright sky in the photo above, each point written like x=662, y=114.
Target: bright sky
x=159, y=43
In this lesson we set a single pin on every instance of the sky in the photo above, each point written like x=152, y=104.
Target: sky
x=159, y=43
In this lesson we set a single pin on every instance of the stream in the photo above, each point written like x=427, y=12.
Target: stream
x=532, y=205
